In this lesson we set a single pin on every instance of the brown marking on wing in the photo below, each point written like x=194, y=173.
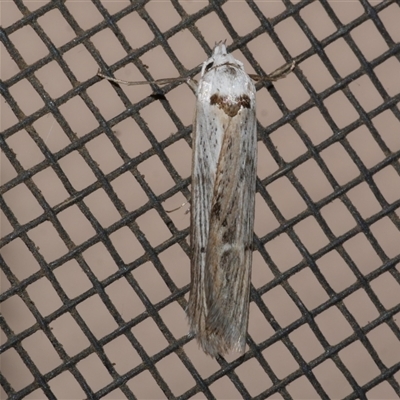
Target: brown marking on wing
x=229, y=107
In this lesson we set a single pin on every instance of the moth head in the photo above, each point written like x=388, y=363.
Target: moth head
x=219, y=58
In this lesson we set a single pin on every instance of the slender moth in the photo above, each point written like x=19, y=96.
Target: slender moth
x=222, y=202
x=222, y=205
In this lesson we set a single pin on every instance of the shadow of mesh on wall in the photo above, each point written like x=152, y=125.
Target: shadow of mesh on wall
x=95, y=273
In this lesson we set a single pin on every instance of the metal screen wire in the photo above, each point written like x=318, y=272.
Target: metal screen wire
x=95, y=273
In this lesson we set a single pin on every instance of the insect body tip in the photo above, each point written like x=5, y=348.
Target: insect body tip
x=214, y=343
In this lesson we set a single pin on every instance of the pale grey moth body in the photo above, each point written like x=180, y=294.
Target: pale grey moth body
x=222, y=205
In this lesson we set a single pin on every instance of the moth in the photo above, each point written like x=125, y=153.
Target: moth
x=222, y=202
x=222, y=206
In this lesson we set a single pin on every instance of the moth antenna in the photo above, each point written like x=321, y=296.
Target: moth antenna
x=128, y=83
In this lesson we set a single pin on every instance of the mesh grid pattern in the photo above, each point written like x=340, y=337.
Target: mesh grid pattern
x=39, y=244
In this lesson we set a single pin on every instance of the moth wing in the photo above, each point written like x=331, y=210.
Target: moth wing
x=206, y=146
x=230, y=239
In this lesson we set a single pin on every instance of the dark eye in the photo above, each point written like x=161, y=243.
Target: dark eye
x=209, y=66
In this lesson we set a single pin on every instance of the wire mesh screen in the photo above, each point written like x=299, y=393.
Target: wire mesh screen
x=95, y=273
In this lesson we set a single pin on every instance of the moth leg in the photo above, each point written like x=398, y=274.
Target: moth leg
x=192, y=84
x=177, y=208
x=280, y=73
